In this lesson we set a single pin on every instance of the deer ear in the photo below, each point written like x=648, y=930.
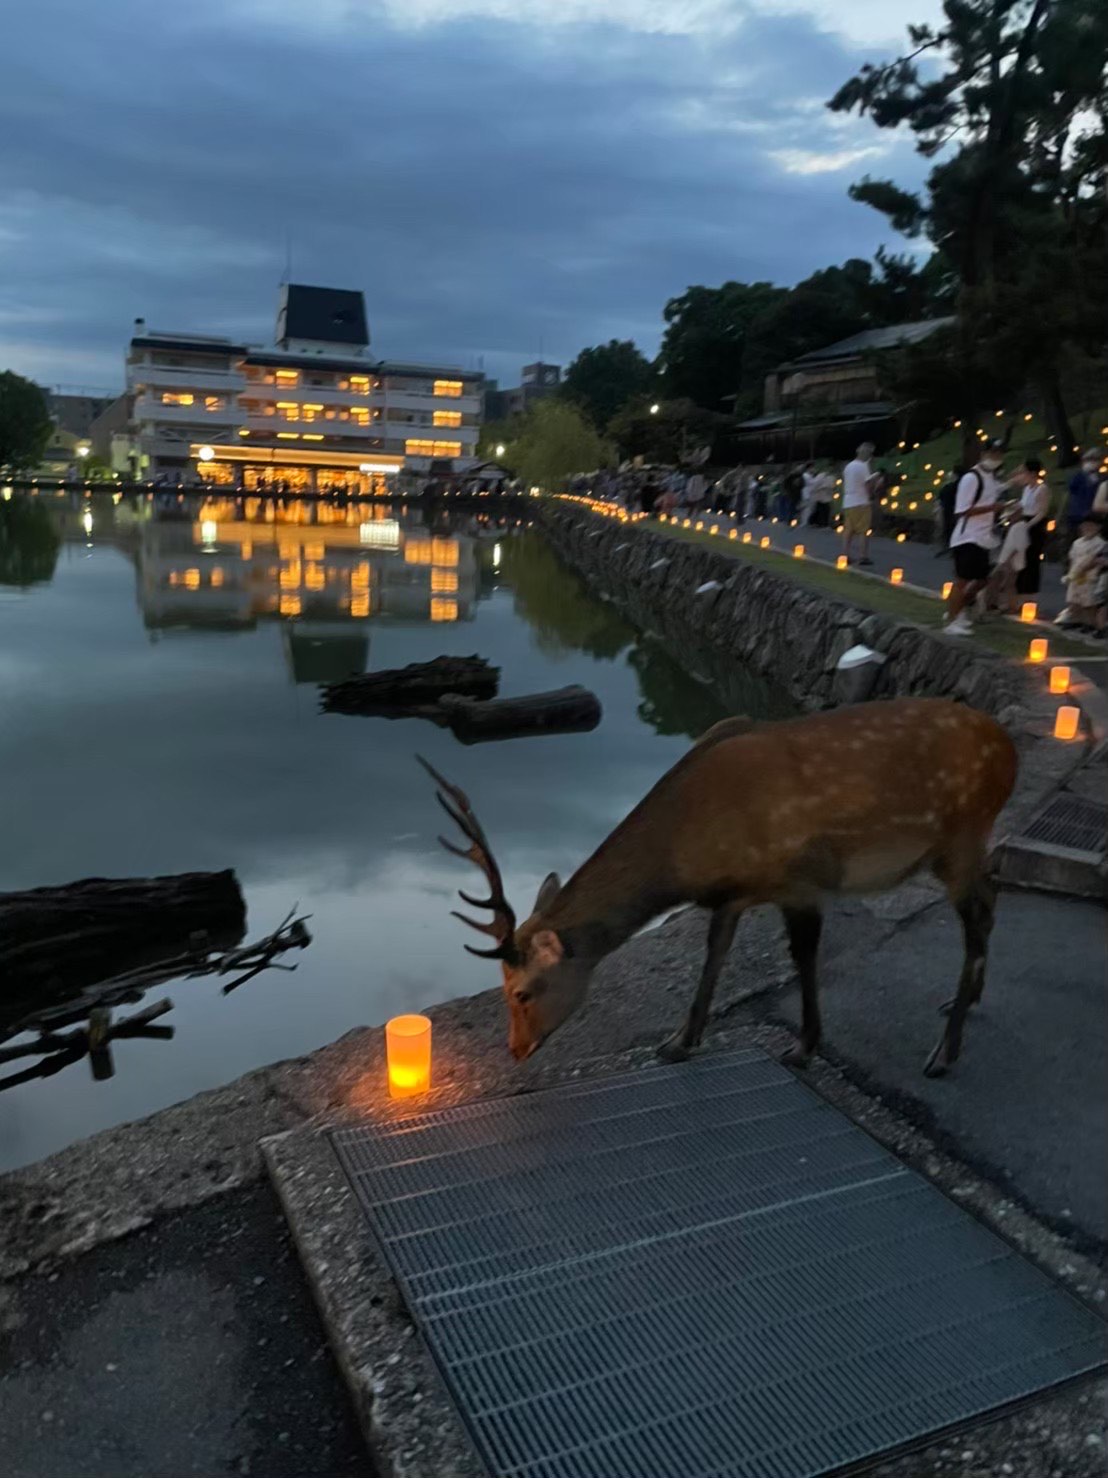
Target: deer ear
x=546, y=951
x=549, y=890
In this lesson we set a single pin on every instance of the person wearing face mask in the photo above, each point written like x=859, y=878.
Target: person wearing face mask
x=1083, y=486
x=976, y=504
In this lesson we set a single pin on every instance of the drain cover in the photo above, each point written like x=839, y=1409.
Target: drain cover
x=1071, y=821
x=699, y=1271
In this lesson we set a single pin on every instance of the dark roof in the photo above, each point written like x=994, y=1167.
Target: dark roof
x=892, y=337
x=331, y=315
x=842, y=414
x=188, y=346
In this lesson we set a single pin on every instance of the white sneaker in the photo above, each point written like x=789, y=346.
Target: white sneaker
x=960, y=626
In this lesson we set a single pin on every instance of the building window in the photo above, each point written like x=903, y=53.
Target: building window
x=359, y=605
x=444, y=610
x=315, y=577
x=359, y=384
x=214, y=402
x=419, y=448
x=450, y=389
x=290, y=410
x=445, y=552
x=192, y=579
x=287, y=378
x=360, y=415
x=448, y=418
x=444, y=582
x=289, y=605
x=174, y=397
x=310, y=412
x=216, y=577
x=417, y=551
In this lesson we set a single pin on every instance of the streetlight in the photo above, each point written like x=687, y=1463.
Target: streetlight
x=84, y=449
x=205, y=454
x=500, y=448
x=655, y=408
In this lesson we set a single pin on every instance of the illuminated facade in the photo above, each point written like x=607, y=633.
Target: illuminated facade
x=314, y=413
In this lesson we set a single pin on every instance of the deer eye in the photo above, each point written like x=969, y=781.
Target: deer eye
x=522, y=995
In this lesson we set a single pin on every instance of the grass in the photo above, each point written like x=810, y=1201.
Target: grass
x=1001, y=634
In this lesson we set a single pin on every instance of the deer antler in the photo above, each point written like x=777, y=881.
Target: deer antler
x=503, y=925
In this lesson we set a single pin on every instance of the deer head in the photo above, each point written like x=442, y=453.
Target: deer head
x=544, y=982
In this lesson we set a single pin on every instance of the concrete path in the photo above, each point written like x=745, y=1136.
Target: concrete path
x=190, y=1348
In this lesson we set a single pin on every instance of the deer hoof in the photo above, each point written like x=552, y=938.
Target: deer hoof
x=674, y=1049
x=796, y=1056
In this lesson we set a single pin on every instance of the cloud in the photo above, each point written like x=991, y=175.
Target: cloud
x=497, y=184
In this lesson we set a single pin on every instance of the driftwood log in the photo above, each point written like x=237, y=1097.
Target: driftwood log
x=395, y=692
x=572, y=710
x=61, y=939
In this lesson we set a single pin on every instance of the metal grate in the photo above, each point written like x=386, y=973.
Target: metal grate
x=1071, y=821
x=699, y=1271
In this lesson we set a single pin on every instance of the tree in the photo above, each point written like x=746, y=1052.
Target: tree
x=25, y=424
x=602, y=380
x=558, y=605
x=1016, y=208
x=553, y=442
x=704, y=346
x=667, y=434
x=29, y=542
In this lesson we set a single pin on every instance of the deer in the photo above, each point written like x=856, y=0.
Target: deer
x=793, y=813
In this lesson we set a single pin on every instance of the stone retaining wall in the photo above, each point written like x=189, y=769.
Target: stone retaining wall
x=786, y=632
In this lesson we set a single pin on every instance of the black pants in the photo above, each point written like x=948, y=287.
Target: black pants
x=1030, y=577
x=821, y=515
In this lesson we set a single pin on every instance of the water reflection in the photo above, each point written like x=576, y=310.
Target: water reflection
x=148, y=725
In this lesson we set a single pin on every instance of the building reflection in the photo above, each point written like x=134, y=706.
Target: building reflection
x=325, y=571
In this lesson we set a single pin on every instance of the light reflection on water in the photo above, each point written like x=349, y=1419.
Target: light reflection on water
x=158, y=714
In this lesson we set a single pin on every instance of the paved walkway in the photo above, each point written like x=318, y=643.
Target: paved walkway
x=918, y=561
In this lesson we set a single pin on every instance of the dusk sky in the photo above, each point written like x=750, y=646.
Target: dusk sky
x=496, y=175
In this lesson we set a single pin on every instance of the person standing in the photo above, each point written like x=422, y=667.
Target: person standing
x=979, y=499
x=822, y=494
x=1083, y=489
x=1035, y=507
x=695, y=489
x=860, y=482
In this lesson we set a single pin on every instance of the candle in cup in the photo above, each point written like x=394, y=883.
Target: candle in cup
x=896, y=576
x=408, y=1051
x=1059, y=679
x=840, y=563
x=1028, y=611
x=1066, y=721
x=948, y=586
x=1037, y=651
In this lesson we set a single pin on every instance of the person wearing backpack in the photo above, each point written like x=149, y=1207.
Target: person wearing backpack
x=977, y=502
x=948, y=494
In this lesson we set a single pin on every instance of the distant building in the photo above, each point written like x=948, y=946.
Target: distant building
x=836, y=389
x=313, y=413
x=537, y=381
x=72, y=413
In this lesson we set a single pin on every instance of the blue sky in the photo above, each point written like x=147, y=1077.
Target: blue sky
x=496, y=175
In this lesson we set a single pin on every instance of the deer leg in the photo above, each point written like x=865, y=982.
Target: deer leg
x=976, y=910
x=803, y=926
x=721, y=931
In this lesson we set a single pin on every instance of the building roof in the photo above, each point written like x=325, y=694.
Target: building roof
x=330, y=315
x=187, y=344
x=893, y=337
x=842, y=413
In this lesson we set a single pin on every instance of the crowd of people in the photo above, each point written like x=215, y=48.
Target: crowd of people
x=993, y=523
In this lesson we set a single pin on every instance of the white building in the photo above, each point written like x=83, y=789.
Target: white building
x=314, y=413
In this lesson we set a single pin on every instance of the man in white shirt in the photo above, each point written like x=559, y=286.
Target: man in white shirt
x=976, y=504
x=860, y=482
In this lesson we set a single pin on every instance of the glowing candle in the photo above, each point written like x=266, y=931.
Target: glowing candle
x=734, y=534
x=687, y=524
x=896, y=576
x=798, y=551
x=714, y=529
x=1028, y=611
x=948, y=586
x=840, y=563
x=1066, y=721
x=900, y=538
x=1059, y=679
x=1037, y=651
x=408, y=1049
x=748, y=537
x=700, y=526
x=1051, y=526
x=764, y=542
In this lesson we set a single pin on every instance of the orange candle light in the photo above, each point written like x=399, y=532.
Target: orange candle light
x=764, y=542
x=948, y=586
x=840, y=563
x=734, y=534
x=1038, y=649
x=408, y=1050
x=700, y=525
x=896, y=576
x=798, y=551
x=714, y=529
x=1059, y=679
x=1066, y=721
x=1028, y=611
x=748, y=537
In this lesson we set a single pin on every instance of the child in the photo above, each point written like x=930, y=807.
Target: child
x=1087, y=577
x=1010, y=563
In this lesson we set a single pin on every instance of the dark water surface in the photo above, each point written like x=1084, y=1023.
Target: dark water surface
x=159, y=714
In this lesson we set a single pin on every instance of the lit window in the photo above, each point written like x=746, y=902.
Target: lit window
x=444, y=552
x=289, y=605
x=313, y=436
x=173, y=397
x=417, y=552
x=288, y=377
x=444, y=610
x=290, y=576
x=214, y=402
x=417, y=447
x=192, y=579
x=451, y=389
x=216, y=577
x=290, y=409
x=315, y=577
x=246, y=549
x=315, y=551
x=359, y=384
x=444, y=582
x=288, y=436
x=448, y=418
x=359, y=605
x=310, y=411
x=360, y=414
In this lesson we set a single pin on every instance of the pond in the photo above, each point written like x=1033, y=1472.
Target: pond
x=159, y=713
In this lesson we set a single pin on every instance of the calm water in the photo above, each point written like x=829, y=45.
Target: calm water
x=158, y=714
